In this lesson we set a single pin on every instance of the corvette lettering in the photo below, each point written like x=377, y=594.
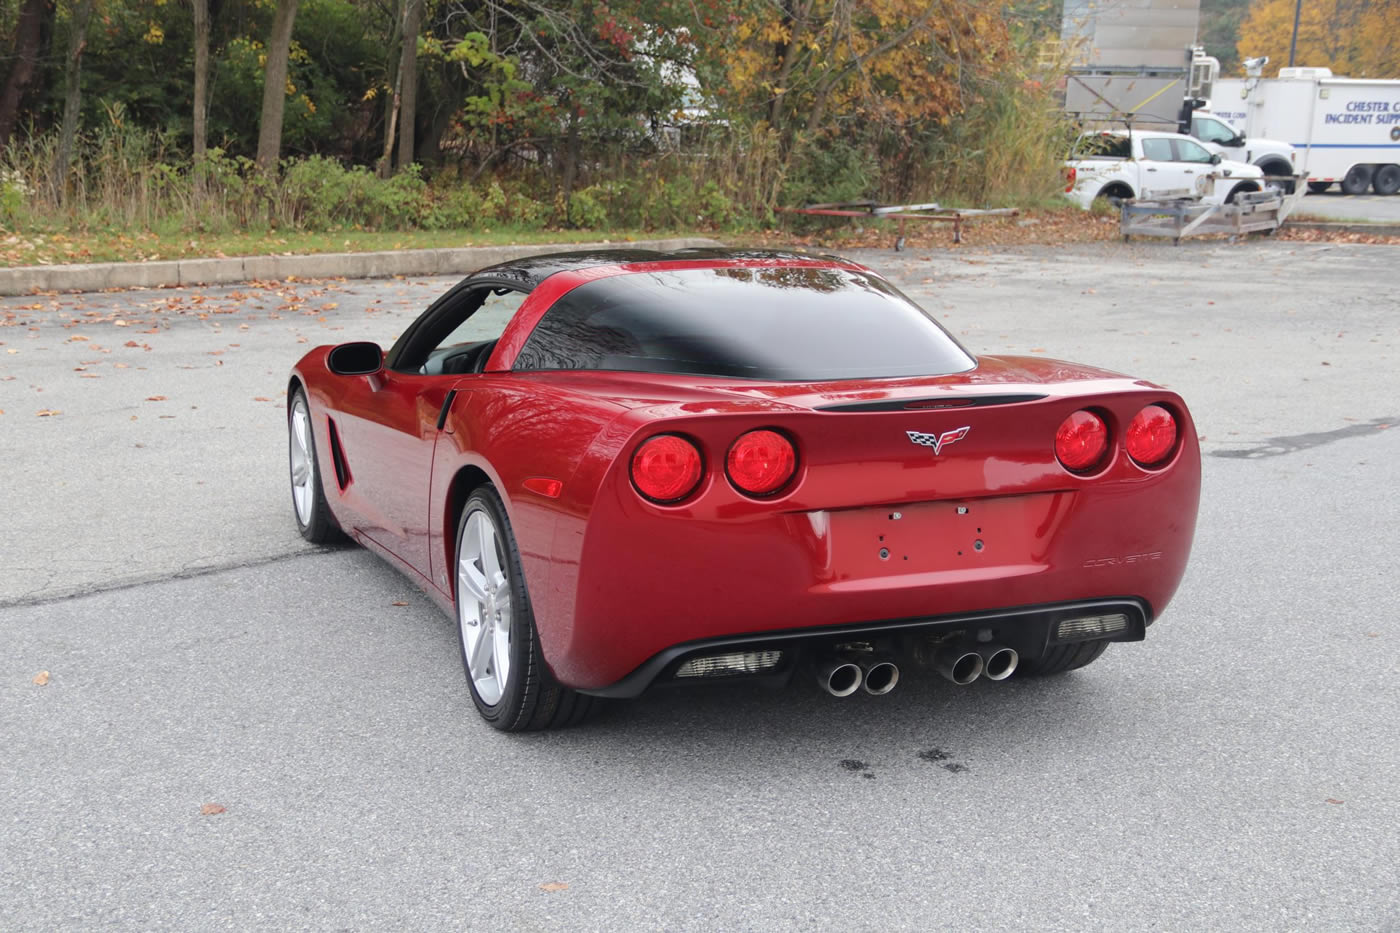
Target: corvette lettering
x=1126, y=559
x=937, y=441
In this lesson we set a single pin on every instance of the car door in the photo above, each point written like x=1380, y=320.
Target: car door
x=1162, y=175
x=1196, y=164
x=1217, y=136
x=389, y=422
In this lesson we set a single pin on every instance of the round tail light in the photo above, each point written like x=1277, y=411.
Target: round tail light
x=666, y=468
x=1081, y=441
x=1151, y=436
x=761, y=462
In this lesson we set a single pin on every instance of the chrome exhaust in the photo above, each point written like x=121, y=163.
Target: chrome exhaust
x=998, y=661
x=959, y=663
x=840, y=678
x=880, y=676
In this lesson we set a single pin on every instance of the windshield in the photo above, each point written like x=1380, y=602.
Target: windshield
x=781, y=323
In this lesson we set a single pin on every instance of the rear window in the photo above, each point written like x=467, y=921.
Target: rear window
x=783, y=323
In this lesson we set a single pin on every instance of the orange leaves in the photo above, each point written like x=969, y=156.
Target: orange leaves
x=1355, y=38
x=212, y=809
x=41, y=679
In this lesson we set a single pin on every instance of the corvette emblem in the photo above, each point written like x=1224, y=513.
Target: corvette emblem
x=937, y=441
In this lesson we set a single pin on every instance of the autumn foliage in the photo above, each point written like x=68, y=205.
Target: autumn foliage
x=1354, y=38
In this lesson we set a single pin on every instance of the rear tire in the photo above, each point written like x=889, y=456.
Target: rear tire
x=1058, y=659
x=500, y=648
x=1278, y=168
x=1387, y=180
x=1247, y=187
x=1358, y=179
x=1317, y=187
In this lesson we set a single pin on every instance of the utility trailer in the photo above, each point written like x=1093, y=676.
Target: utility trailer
x=903, y=212
x=1344, y=129
x=1254, y=212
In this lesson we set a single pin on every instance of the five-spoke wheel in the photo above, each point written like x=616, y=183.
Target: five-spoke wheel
x=313, y=514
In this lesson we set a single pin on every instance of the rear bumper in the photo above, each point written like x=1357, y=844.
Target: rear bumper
x=1028, y=629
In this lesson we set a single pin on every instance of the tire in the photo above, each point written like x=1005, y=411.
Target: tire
x=1247, y=187
x=1278, y=168
x=1358, y=179
x=1058, y=659
x=499, y=646
x=1387, y=179
x=309, y=506
x=1317, y=187
x=1114, y=195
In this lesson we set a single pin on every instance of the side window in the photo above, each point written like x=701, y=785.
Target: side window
x=1102, y=146
x=1212, y=131
x=1188, y=151
x=1157, y=149
x=458, y=334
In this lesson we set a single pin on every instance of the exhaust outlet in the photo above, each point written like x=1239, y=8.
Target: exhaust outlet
x=999, y=663
x=840, y=678
x=880, y=677
x=958, y=663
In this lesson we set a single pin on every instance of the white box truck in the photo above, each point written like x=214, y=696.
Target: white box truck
x=1345, y=129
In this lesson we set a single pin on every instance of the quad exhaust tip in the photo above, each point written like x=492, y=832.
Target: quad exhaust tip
x=959, y=664
x=841, y=678
x=999, y=663
x=880, y=677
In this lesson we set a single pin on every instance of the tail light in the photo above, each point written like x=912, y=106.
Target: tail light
x=1151, y=436
x=761, y=462
x=1081, y=441
x=666, y=468
x=1070, y=178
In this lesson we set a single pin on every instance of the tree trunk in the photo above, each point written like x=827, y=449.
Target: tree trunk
x=408, y=82
x=73, y=99
x=390, y=125
x=28, y=38
x=275, y=87
x=201, y=80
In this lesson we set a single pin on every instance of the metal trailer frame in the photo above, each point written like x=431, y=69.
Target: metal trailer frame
x=903, y=213
x=1251, y=212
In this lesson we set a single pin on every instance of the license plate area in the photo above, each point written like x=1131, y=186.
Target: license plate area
x=947, y=535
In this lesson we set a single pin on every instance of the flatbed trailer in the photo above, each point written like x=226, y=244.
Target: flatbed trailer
x=903, y=212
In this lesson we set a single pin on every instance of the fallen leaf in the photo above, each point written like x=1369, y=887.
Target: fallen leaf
x=41, y=678
x=47, y=412
x=1334, y=800
x=131, y=343
x=120, y=323
x=398, y=604
x=212, y=809
x=557, y=885
x=155, y=398
x=261, y=398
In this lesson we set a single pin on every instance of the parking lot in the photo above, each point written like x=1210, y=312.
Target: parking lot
x=240, y=731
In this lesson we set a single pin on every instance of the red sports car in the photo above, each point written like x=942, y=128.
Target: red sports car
x=623, y=468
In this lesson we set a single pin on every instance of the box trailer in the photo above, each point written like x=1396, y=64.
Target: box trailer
x=1345, y=129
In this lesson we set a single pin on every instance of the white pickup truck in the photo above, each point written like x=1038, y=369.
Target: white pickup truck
x=1117, y=165
x=1273, y=157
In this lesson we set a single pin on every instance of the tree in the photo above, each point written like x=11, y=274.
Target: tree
x=201, y=78
x=408, y=80
x=73, y=97
x=275, y=86
x=35, y=17
x=1355, y=38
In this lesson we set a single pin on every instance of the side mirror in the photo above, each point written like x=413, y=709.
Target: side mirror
x=361, y=358
x=1238, y=140
x=1216, y=158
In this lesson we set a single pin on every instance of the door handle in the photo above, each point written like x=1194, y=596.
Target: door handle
x=1152, y=170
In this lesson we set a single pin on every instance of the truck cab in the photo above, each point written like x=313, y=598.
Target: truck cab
x=1218, y=135
x=1117, y=165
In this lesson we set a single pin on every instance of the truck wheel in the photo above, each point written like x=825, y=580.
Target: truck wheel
x=1278, y=168
x=1387, y=180
x=1244, y=187
x=1358, y=179
x=1317, y=187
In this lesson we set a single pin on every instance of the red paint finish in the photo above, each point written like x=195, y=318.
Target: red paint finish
x=991, y=521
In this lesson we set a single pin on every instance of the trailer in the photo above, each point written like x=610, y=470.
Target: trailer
x=1176, y=218
x=1345, y=130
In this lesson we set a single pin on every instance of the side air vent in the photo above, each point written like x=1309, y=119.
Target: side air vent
x=933, y=404
x=342, y=472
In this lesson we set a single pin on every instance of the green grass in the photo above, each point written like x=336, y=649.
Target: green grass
x=28, y=249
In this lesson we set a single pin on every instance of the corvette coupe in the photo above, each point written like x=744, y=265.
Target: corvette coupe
x=622, y=469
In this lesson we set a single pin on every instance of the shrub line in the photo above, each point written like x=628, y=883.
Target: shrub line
x=93, y=277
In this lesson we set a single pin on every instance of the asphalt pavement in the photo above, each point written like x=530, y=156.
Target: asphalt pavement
x=239, y=731
x=1368, y=208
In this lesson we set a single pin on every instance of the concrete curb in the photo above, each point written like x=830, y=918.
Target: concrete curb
x=95, y=277
x=1342, y=227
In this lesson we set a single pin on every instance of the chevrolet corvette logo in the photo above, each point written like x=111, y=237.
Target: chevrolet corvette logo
x=937, y=441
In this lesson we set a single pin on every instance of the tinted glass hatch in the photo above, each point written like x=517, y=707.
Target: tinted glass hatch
x=781, y=323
